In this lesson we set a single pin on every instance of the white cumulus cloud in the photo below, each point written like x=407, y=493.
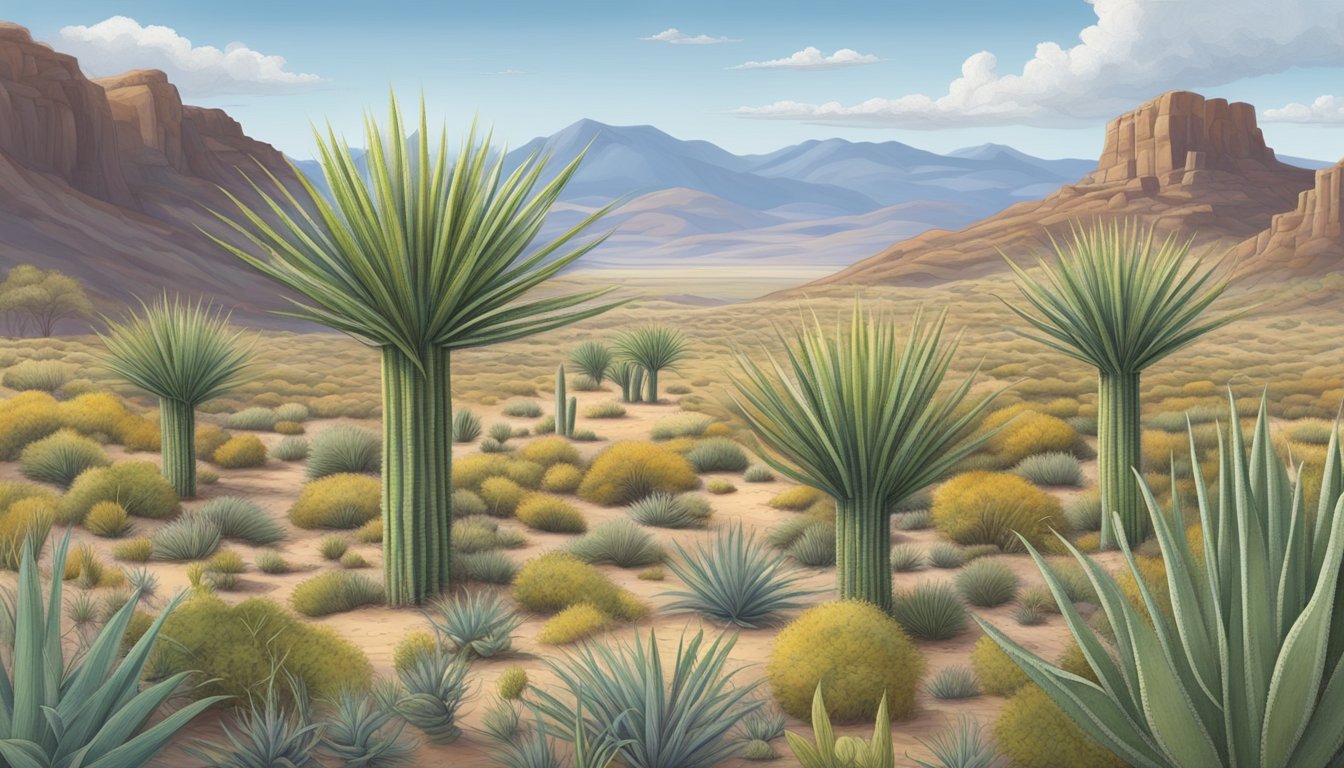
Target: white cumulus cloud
x=119, y=43
x=677, y=37
x=1135, y=50
x=1328, y=110
x=812, y=58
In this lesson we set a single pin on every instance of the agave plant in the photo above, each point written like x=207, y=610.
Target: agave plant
x=435, y=689
x=733, y=579
x=1120, y=300
x=479, y=624
x=89, y=711
x=362, y=734
x=185, y=353
x=432, y=254
x=268, y=733
x=1246, y=667
x=593, y=359
x=860, y=417
x=653, y=348
x=847, y=751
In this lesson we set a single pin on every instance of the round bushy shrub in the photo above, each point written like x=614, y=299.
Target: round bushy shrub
x=528, y=474
x=543, y=512
x=1053, y=469
x=61, y=457
x=501, y=496
x=289, y=428
x=992, y=508
x=241, y=452
x=107, y=519
x=629, y=471
x=987, y=583
x=717, y=454
x=512, y=683
x=758, y=473
x=466, y=504
x=470, y=471
x=344, y=449
x=573, y=624
x=136, y=485
x=562, y=478
x=1026, y=432
x=337, y=501
x=997, y=672
x=335, y=592
x=24, y=418
x=291, y=449
x=855, y=652
x=554, y=581
x=930, y=611
x=549, y=451
x=797, y=498
x=1032, y=730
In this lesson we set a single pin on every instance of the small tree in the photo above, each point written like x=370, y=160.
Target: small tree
x=37, y=299
x=593, y=359
x=653, y=348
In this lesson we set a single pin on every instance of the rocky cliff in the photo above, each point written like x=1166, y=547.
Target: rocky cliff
x=1305, y=241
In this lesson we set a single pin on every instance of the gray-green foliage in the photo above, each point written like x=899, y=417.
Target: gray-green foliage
x=344, y=448
x=479, y=624
x=362, y=734
x=734, y=579
x=435, y=688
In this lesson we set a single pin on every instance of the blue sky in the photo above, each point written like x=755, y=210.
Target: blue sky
x=530, y=68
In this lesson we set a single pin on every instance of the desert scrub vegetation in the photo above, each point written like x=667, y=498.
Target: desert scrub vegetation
x=550, y=451
x=240, y=519
x=337, y=501
x=466, y=426
x=1119, y=299
x=241, y=452
x=291, y=449
x=734, y=579
x=952, y=683
x=593, y=359
x=37, y=376
x=678, y=425
x=987, y=583
x=617, y=542
x=629, y=471
x=344, y=449
x=562, y=478
x=663, y=510
x=930, y=611
x=335, y=592
x=575, y=623
x=654, y=348
x=256, y=418
x=521, y=408
x=448, y=296
x=604, y=411
x=1019, y=431
x=185, y=539
x=852, y=651
x=136, y=485
x=859, y=416
x=717, y=454
x=995, y=508
x=1052, y=469
x=109, y=520
x=544, y=512
x=552, y=582
x=479, y=624
x=184, y=354
x=60, y=457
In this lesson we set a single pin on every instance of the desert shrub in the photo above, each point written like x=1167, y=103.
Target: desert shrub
x=720, y=486
x=335, y=592
x=680, y=425
x=549, y=451
x=1039, y=599
x=136, y=485
x=466, y=426
x=291, y=449
x=528, y=474
x=240, y=452
x=574, y=623
x=236, y=650
x=993, y=508
x=815, y=546
x=501, y=432
x=1055, y=469
x=1027, y=432
x=352, y=560
x=467, y=504
x=629, y=471
x=520, y=408
x=240, y=519
x=479, y=624
x=954, y=682
x=271, y=562
x=1083, y=512
x=797, y=498
x=907, y=557
x=987, y=583
x=553, y=514
x=734, y=579
x=617, y=542
x=554, y=581
x=209, y=437
x=611, y=410
x=491, y=445
x=344, y=449
x=25, y=418
x=717, y=454
x=944, y=555
x=855, y=653
x=24, y=517
x=60, y=457
x=206, y=476
x=918, y=520
x=141, y=434
x=185, y=539
x=486, y=567
x=501, y=496
x=696, y=505
x=469, y=472
x=997, y=673
x=413, y=645
x=512, y=683
x=784, y=535
x=333, y=547
x=562, y=478
x=930, y=611
x=663, y=510
x=257, y=419
x=337, y=501
x=137, y=550
x=295, y=412
x=758, y=473
x=108, y=519
x=289, y=428
x=1033, y=730
x=38, y=375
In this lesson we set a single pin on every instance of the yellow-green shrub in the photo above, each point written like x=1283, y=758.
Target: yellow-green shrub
x=1026, y=432
x=501, y=495
x=107, y=519
x=797, y=498
x=553, y=514
x=137, y=550
x=138, y=433
x=990, y=507
x=528, y=474
x=1033, y=731
x=337, y=501
x=209, y=437
x=562, y=478
x=24, y=418
x=22, y=518
x=96, y=413
x=470, y=471
x=998, y=674
x=554, y=581
x=410, y=648
x=629, y=471
x=136, y=485
x=512, y=683
x=573, y=624
x=288, y=428
x=855, y=652
x=549, y=451
x=240, y=452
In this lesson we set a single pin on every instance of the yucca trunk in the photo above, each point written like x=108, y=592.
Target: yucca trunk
x=417, y=474
x=863, y=551
x=1119, y=437
x=653, y=385
x=177, y=427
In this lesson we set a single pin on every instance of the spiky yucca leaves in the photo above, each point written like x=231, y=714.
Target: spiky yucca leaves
x=90, y=710
x=1119, y=299
x=1246, y=668
x=847, y=751
x=858, y=415
x=734, y=579
x=432, y=254
x=593, y=359
x=271, y=733
x=185, y=353
x=653, y=348
x=363, y=734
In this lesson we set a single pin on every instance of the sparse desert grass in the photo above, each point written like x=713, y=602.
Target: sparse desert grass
x=337, y=501
x=344, y=448
x=930, y=611
x=335, y=592
x=617, y=542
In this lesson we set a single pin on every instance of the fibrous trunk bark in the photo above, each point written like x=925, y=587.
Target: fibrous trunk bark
x=863, y=551
x=177, y=428
x=1119, y=454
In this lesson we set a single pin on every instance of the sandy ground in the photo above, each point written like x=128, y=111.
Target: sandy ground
x=377, y=630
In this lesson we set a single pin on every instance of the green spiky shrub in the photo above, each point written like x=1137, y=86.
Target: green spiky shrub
x=344, y=448
x=270, y=731
x=859, y=416
x=241, y=519
x=466, y=426
x=848, y=751
x=184, y=353
x=435, y=688
x=60, y=457
x=433, y=253
x=1119, y=299
x=734, y=579
x=630, y=378
x=362, y=734
x=654, y=348
x=479, y=624
x=90, y=710
x=1245, y=668
x=617, y=542
x=593, y=359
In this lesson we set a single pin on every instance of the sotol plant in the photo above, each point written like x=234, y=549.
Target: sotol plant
x=1246, y=668
x=1119, y=300
x=185, y=354
x=653, y=348
x=432, y=254
x=860, y=417
x=593, y=359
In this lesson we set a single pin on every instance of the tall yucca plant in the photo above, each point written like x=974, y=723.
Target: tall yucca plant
x=185, y=353
x=430, y=255
x=653, y=348
x=1246, y=668
x=858, y=415
x=1119, y=299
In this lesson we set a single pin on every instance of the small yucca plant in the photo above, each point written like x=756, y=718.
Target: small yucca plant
x=859, y=416
x=827, y=751
x=1246, y=667
x=1120, y=300
x=185, y=353
x=593, y=359
x=653, y=348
